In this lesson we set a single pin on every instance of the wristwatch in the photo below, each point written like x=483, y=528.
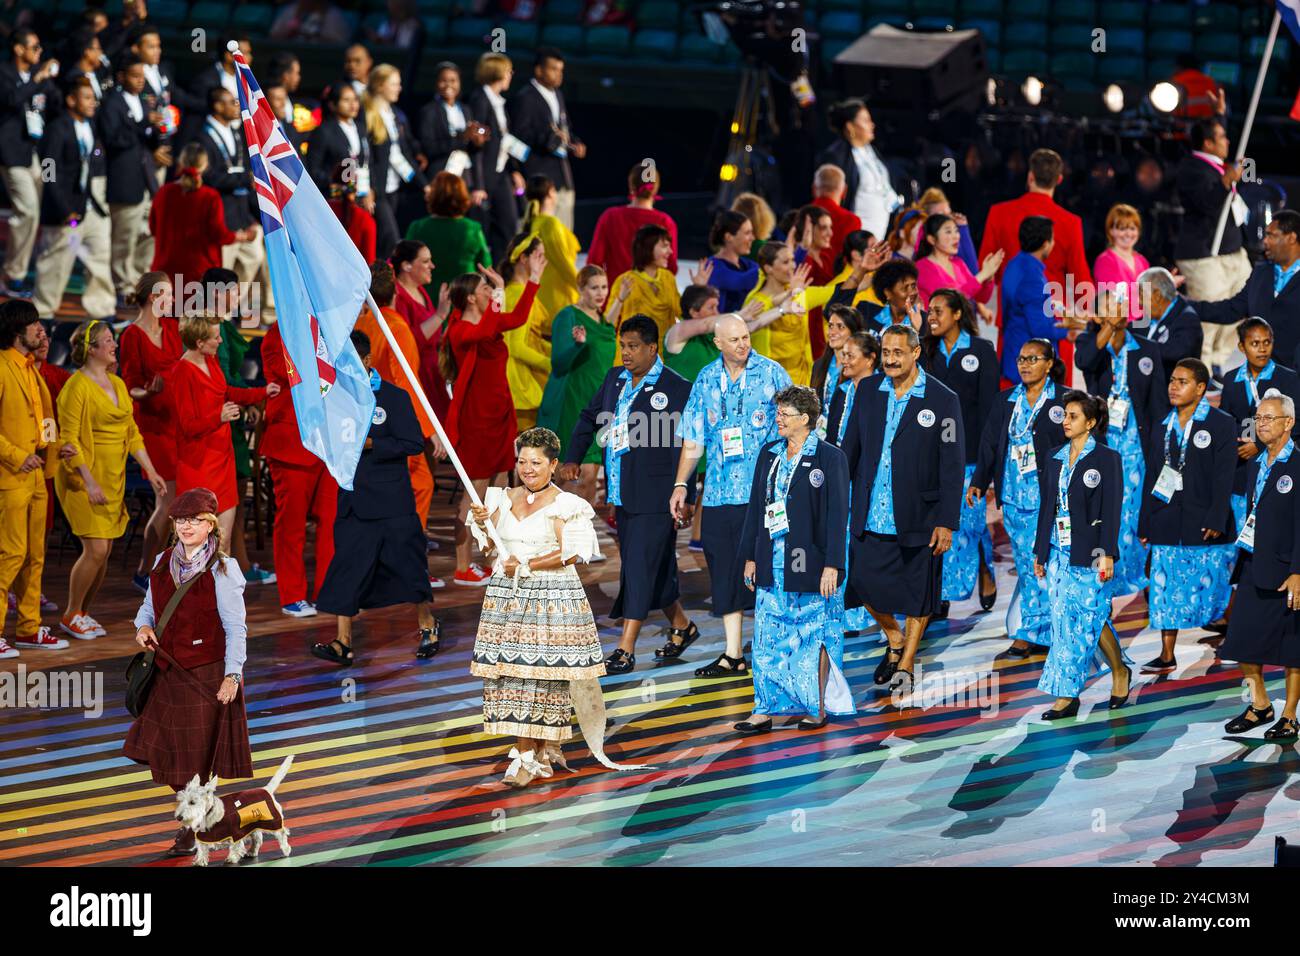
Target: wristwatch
x=237, y=678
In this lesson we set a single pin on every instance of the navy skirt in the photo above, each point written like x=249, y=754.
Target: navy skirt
x=1263, y=630
x=647, y=580
x=893, y=579
x=377, y=563
x=720, y=532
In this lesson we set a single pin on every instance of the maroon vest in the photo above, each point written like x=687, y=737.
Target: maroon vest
x=245, y=812
x=194, y=635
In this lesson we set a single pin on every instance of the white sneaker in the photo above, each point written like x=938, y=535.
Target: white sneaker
x=6, y=651
x=94, y=626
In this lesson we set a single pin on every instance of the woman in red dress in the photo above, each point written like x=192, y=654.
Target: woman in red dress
x=204, y=403
x=189, y=227
x=481, y=410
x=146, y=354
x=413, y=266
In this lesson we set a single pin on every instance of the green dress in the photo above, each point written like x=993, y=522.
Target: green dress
x=456, y=245
x=577, y=371
x=230, y=355
x=690, y=361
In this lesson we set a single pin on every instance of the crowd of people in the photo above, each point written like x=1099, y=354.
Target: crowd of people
x=838, y=402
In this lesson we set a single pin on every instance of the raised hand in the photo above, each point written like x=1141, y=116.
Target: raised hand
x=702, y=273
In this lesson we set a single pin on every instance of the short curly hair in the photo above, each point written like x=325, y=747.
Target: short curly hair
x=802, y=399
x=543, y=439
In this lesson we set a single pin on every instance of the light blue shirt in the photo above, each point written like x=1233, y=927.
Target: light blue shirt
x=1199, y=414
x=1252, y=384
x=880, y=519
x=1265, y=468
x=716, y=403
x=1063, y=485
x=850, y=389
x=1282, y=276
x=614, y=462
x=1017, y=489
x=230, y=608
x=963, y=342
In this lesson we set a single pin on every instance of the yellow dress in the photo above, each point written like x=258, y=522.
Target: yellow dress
x=657, y=298
x=530, y=361
x=786, y=340
x=559, y=286
x=106, y=434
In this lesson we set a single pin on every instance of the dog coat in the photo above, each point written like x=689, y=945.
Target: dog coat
x=245, y=812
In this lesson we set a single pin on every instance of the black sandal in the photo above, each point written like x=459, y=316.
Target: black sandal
x=673, y=649
x=429, y=640
x=1242, y=723
x=326, y=652
x=738, y=666
x=1285, y=729
x=619, y=662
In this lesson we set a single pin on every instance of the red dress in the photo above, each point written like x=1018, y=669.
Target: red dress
x=359, y=225
x=482, y=410
x=205, y=458
x=611, y=244
x=416, y=313
x=189, y=229
x=139, y=360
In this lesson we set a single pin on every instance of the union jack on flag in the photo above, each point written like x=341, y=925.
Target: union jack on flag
x=319, y=281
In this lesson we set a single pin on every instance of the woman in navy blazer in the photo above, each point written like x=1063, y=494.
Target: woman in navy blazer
x=1077, y=542
x=1187, y=511
x=954, y=354
x=793, y=548
x=1263, y=630
x=1022, y=430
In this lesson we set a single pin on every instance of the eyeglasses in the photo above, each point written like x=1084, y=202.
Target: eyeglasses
x=187, y=522
x=1031, y=359
x=1265, y=419
x=782, y=414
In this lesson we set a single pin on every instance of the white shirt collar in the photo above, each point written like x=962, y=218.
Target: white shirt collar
x=552, y=100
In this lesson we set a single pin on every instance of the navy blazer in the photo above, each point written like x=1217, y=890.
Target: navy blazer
x=238, y=200
x=817, y=508
x=381, y=487
x=1094, y=512
x=649, y=467
x=974, y=375
x=16, y=147
x=1046, y=432
x=1206, y=498
x=835, y=414
x=128, y=145
x=63, y=195
x=929, y=463
x=1148, y=391
x=1256, y=298
x=1178, y=337
x=1236, y=401
x=1277, y=522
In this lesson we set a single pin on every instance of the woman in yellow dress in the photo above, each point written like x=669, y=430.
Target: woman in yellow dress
x=786, y=340
x=96, y=414
x=530, y=354
x=649, y=288
x=559, y=287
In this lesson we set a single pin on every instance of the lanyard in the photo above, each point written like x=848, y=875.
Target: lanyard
x=1063, y=483
x=1252, y=384
x=1018, y=435
x=833, y=380
x=850, y=389
x=221, y=141
x=774, y=478
x=740, y=393
x=1182, y=444
x=1119, y=367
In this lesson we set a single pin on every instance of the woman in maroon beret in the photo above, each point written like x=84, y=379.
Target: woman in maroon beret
x=193, y=721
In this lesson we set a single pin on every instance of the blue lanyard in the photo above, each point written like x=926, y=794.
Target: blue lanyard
x=1018, y=435
x=850, y=389
x=1181, y=443
x=739, y=386
x=1119, y=366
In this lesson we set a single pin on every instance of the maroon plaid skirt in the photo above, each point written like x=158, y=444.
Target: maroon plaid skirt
x=175, y=733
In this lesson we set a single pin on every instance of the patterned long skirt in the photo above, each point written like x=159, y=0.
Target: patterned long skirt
x=970, y=541
x=1190, y=586
x=1130, y=568
x=1029, y=616
x=535, y=635
x=1080, y=607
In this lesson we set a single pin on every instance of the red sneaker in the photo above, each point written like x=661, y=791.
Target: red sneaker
x=42, y=640
x=472, y=577
x=77, y=627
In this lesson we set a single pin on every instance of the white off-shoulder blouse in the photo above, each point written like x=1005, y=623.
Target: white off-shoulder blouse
x=536, y=534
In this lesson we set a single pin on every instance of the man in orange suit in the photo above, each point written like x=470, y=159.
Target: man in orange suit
x=303, y=486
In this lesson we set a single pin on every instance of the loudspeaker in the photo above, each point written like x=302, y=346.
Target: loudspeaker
x=922, y=73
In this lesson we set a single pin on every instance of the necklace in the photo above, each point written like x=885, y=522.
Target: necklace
x=532, y=495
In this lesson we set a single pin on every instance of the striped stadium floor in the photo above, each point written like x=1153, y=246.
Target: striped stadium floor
x=391, y=768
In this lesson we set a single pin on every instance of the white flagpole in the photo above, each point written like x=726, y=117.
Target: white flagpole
x=428, y=410
x=1250, y=122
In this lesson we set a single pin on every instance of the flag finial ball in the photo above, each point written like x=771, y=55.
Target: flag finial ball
x=232, y=46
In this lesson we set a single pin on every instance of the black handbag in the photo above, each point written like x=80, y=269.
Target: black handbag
x=141, y=669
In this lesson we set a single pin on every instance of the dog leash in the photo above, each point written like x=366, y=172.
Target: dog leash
x=198, y=685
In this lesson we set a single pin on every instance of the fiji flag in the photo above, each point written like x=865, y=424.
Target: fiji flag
x=320, y=283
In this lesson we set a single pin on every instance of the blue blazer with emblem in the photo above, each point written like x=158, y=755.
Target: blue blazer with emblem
x=649, y=467
x=381, y=487
x=1277, y=521
x=818, y=514
x=929, y=463
x=1046, y=433
x=1148, y=391
x=1178, y=337
x=1206, y=499
x=1236, y=401
x=1094, y=511
x=976, y=388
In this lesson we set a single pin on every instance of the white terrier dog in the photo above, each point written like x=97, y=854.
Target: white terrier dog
x=236, y=820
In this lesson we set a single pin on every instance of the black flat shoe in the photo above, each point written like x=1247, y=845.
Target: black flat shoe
x=673, y=649
x=1160, y=665
x=326, y=652
x=749, y=727
x=429, y=639
x=1285, y=729
x=1219, y=627
x=885, y=669
x=735, y=666
x=619, y=662
x=1117, y=702
x=942, y=613
x=988, y=600
x=1018, y=653
x=1069, y=710
x=1243, y=723
x=808, y=723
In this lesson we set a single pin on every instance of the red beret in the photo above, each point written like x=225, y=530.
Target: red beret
x=196, y=501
